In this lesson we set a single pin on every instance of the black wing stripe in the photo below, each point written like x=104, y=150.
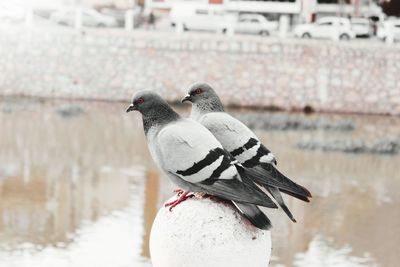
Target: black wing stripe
x=237, y=151
x=211, y=157
x=255, y=159
x=252, y=142
x=225, y=164
x=264, y=149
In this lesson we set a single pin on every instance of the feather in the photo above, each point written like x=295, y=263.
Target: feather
x=268, y=175
x=204, y=163
x=237, y=191
x=254, y=215
x=278, y=197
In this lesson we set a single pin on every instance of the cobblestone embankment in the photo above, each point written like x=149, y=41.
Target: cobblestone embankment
x=246, y=71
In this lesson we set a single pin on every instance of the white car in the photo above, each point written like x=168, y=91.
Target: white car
x=201, y=17
x=90, y=17
x=326, y=28
x=389, y=29
x=255, y=24
x=362, y=27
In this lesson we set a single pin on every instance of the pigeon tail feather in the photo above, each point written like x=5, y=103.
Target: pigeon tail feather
x=268, y=175
x=278, y=197
x=303, y=198
x=254, y=215
x=235, y=190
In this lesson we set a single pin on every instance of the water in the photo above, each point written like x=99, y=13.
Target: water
x=78, y=188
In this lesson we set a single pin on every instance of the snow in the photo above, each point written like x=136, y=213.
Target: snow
x=204, y=232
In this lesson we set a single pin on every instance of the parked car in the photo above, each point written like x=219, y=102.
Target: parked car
x=255, y=24
x=90, y=17
x=389, y=29
x=362, y=27
x=202, y=17
x=326, y=28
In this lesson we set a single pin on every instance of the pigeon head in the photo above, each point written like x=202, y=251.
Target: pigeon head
x=203, y=97
x=146, y=102
x=154, y=109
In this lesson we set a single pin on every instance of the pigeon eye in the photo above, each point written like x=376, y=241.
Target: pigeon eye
x=198, y=91
x=140, y=100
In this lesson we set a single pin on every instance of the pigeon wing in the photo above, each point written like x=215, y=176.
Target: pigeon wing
x=242, y=144
x=237, y=138
x=190, y=152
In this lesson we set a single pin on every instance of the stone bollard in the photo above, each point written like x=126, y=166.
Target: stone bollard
x=205, y=232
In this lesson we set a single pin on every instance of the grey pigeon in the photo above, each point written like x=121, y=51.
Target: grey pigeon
x=194, y=159
x=242, y=144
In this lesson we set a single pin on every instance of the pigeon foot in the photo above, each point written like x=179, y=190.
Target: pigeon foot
x=182, y=197
x=179, y=191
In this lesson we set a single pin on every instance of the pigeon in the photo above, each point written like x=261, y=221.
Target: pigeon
x=243, y=144
x=195, y=161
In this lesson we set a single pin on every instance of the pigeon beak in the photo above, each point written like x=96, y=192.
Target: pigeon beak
x=187, y=98
x=131, y=107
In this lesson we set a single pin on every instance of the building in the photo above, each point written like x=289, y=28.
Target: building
x=357, y=8
x=296, y=10
x=286, y=11
x=84, y=3
x=266, y=6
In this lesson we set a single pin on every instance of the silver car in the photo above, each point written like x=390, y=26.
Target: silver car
x=255, y=24
x=90, y=17
x=326, y=28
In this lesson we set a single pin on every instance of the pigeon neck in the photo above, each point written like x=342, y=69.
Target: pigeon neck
x=161, y=116
x=204, y=107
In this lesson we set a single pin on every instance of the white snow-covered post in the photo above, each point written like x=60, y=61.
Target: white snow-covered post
x=390, y=37
x=283, y=25
x=129, y=20
x=78, y=19
x=29, y=16
x=230, y=30
x=205, y=232
x=179, y=28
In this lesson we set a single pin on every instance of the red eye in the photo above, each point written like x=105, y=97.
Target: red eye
x=140, y=100
x=198, y=91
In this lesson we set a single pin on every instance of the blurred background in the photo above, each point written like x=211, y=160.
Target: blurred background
x=317, y=80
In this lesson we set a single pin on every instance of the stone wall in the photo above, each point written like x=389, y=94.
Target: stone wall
x=246, y=71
